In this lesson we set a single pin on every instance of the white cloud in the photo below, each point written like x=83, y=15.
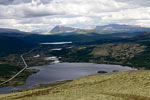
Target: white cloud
x=32, y=14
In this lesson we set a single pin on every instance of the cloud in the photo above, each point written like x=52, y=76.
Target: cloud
x=38, y=8
x=144, y=3
x=34, y=14
x=15, y=2
x=6, y=2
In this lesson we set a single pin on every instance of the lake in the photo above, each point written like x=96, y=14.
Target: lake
x=64, y=71
x=56, y=43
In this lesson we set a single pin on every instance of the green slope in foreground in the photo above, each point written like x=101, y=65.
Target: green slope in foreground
x=130, y=85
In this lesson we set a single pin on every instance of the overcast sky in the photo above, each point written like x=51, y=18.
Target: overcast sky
x=29, y=15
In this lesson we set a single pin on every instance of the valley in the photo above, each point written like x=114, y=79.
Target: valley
x=50, y=56
x=108, y=53
x=126, y=53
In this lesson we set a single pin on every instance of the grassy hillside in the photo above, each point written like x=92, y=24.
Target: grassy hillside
x=131, y=85
x=128, y=54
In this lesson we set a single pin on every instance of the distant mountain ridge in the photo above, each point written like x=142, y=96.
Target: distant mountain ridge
x=114, y=28
x=12, y=40
x=13, y=32
x=59, y=29
x=105, y=29
x=7, y=30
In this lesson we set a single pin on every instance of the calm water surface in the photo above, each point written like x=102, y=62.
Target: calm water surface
x=64, y=71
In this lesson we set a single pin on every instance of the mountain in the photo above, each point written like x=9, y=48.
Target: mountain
x=60, y=29
x=63, y=31
x=6, y=30
x=12, y=32
x=117, y=30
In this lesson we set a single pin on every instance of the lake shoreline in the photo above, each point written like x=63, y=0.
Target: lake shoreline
x=81, y=70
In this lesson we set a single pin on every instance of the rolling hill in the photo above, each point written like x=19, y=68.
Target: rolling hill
x=13, y=32
x=130, y=85
x=12, y=45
